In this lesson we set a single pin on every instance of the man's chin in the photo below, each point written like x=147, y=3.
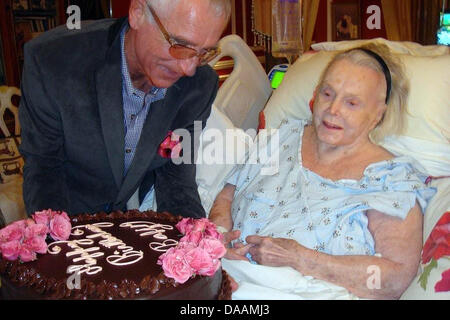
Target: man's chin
x=166, y=81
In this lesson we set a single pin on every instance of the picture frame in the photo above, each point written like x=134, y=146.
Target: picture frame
x=37, y=4
x=20, y=5
x=346, y=20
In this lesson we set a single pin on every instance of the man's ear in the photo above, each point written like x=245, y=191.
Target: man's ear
x=137, y=13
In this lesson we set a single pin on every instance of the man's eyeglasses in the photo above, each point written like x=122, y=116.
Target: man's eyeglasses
x=179, y=51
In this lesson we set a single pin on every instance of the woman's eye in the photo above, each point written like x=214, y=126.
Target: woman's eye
x=326, y=93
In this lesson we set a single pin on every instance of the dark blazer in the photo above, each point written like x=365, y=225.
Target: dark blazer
x=71, y=113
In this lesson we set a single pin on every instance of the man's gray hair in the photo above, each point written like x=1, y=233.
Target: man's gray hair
x=221, y=7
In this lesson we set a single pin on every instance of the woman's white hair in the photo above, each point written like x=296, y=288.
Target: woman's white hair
x=393, y=120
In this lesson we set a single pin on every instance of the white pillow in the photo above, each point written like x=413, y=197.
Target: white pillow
x=404, y=47
x=212, y=168
x=429, y=98
x=428, y=104
x=433, y=156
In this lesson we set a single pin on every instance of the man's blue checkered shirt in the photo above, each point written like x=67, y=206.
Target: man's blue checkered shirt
x=136, y=105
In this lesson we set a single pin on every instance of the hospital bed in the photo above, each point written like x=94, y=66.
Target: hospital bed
x=247, y=92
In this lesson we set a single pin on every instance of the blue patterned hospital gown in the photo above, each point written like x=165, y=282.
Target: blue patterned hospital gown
x=321, y=214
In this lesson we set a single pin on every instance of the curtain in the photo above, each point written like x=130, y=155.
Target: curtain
x=397, y=19
x=309, y=13
x=412, y=20
x=262, y=19
x=90, y=9
x=425, y=20
x=262, y=15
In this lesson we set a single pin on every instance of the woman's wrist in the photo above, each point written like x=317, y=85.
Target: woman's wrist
x=305, y=259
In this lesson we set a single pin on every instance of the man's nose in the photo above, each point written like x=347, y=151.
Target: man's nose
x=188, y=66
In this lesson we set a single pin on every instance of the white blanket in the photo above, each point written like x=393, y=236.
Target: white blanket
x=258, y=282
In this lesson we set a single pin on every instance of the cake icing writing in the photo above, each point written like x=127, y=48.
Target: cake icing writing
x=125, y=255
x=148, y=228
x=163, y=246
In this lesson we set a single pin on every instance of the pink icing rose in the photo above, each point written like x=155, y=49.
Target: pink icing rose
x=209, y=228
x=36, y=230
x=20, y=223
x=212, y=232
x=49, y=212
x=42, y=217
x=200, y=225
x=188, y=225
x=13, y=232
x=201, y=249
x=26, y=254
x=10, y=250
x=175, y=265
x=185, y=225
x=213, y=247
x=36, y=244
x=60, y=227
x=212, y=268
x=193, y=237
x=199, y=260
x=64, y=215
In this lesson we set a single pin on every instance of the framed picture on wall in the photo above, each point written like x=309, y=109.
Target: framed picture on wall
x=345, y=20
x=20, y=5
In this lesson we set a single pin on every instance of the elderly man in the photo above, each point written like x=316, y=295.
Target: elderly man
x=98, y=102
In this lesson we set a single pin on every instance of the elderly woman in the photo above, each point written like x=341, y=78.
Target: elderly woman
x=341, y=209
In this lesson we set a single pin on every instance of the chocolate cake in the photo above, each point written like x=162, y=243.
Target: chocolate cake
x=116, y=257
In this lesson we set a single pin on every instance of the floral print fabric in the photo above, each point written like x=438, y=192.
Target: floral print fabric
x=321, y=214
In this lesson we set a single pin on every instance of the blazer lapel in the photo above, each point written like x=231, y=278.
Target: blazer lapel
x=109, y=96
x=156, y=127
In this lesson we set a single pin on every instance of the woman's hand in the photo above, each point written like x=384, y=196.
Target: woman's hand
x=274, y=252
x=239, y=250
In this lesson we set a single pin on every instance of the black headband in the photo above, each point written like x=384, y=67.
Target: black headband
x=385, y=68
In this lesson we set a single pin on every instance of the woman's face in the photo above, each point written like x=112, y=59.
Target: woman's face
x=349, y=104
